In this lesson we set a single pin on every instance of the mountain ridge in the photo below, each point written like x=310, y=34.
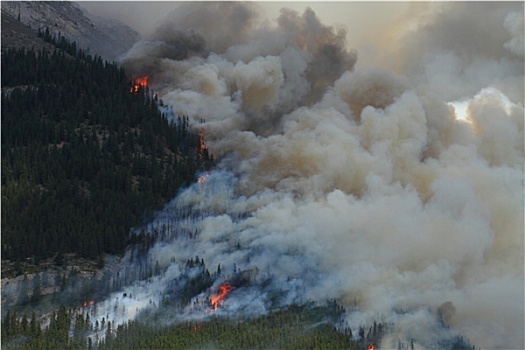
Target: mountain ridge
x=104, y=37
x=17, y=35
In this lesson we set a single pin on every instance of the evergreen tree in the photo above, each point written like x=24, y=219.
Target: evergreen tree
x=76, y=143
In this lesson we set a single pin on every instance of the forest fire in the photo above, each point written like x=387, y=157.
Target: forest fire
x=203, y=178
x=218, y=300
x=371, y=347
x=138, y=82
x=90, y=303
x=201, y=148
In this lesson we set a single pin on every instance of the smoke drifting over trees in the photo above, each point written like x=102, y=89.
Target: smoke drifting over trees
x=340, y=180
x=361, y=185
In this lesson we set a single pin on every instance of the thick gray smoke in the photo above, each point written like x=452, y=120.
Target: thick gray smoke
x=363, y=185
x=254, y=71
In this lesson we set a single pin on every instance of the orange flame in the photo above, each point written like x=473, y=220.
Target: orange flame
x=201, y=148
x=371, y=347
x=203, y=178
x=85, y=304
x=138, y=82
x=218, y=300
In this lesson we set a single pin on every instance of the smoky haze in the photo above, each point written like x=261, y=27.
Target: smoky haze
x=353, y=181
x=267, y=70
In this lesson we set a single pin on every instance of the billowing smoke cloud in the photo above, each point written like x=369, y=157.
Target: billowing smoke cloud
x=247, y=65
x=364, y=186
x=455, y=54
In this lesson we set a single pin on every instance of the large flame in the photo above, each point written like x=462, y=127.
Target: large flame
x=138, y=82
x=218, y=300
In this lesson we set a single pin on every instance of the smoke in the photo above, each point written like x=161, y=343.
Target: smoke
x=454, y=54
x=248, y=65
x=357, y=184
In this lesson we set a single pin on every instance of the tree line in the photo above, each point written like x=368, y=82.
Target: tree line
x=306, y=326
x=294, y=327
x=84, y=159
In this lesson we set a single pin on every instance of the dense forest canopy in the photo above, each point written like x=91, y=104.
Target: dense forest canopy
x=297, y=327
x=85, y=157
x=307, y=326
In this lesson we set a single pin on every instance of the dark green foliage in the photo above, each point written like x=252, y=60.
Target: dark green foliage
x=195, y=285
x=24, y=334
x=83, y=158
x=61, y=43
x=297, y=327
x=293, y=328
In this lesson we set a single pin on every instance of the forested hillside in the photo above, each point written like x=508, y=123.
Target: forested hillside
x=297, y=327
x=307, y=326
x=85, y=155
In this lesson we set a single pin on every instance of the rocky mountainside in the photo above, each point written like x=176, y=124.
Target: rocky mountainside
x=17, y=35
x=105, y=37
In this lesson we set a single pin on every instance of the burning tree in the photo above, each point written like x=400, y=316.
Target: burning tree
x=218, y=300
x=139, y=82
x=201, y=149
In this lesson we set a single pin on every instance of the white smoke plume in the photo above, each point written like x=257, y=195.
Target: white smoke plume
x=357, y=184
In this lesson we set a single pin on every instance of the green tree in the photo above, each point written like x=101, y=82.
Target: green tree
x=77, y=143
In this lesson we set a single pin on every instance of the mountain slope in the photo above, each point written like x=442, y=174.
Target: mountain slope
x=17, y=35
x=85, y=155
x=107, y=38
